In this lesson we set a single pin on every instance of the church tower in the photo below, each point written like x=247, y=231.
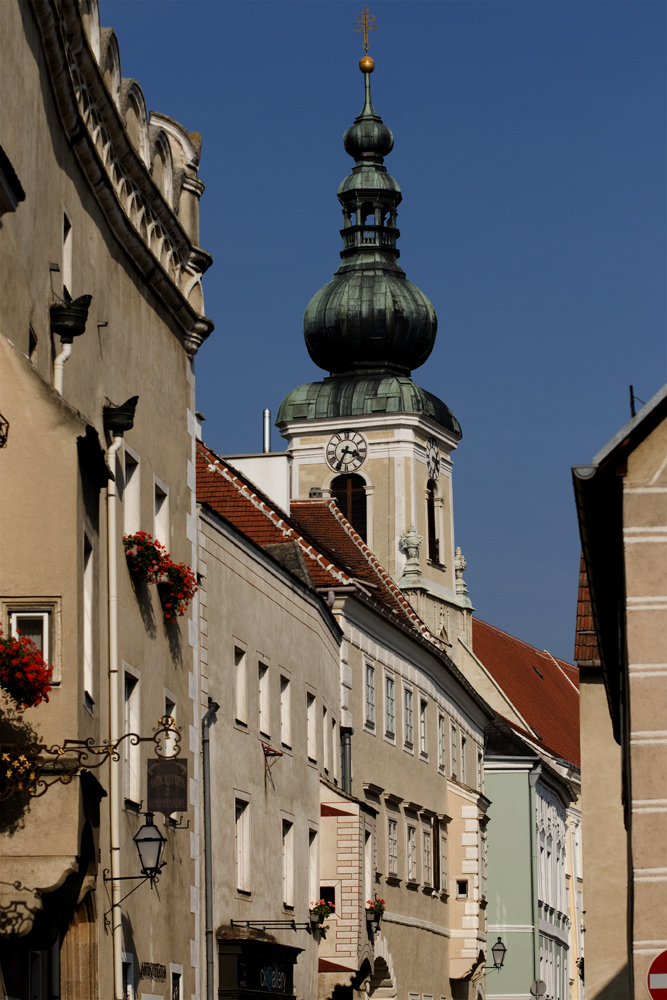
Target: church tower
x=367, y=435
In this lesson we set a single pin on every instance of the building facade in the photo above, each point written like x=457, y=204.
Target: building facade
x=620, y=647
x=376, y=780
x=109, y=219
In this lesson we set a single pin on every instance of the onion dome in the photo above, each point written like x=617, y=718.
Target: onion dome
x=370, y=318
x=364, y=394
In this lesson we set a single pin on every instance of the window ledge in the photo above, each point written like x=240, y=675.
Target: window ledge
x=393, y=879
x=423, y=756
x=243, y=893
x=411, y=884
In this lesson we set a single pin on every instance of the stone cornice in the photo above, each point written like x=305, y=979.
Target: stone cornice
x=137, y=214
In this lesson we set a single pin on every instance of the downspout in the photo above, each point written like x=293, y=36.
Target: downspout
x=59, y=364
x=532, y=819
x=346, y=748
x=117, y=420
x=114, y=724
x=208, y=870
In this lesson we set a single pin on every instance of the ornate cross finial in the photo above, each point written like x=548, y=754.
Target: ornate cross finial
x=365, y=24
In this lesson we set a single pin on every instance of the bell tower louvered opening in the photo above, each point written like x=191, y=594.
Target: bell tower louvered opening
x=349, y=492
x=433, y=540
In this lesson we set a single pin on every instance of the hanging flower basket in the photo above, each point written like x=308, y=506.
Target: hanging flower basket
x=176, y=587
x=24, y=675
x=145, y=555
x=374, y=909
x=320, y=911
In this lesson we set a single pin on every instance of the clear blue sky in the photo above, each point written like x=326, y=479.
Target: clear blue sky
x=530, y=148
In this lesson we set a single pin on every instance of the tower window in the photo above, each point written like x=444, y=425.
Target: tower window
x=433, y=541
x=349, y=492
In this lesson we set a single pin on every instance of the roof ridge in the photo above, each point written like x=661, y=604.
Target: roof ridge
x=373, y=561
x=219, y=465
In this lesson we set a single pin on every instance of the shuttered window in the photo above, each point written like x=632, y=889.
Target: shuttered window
x=349, y=492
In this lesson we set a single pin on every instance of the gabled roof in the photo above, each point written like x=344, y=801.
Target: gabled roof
x=334, y=554
x=238, y=501
x=323, y=520
x=543, y=689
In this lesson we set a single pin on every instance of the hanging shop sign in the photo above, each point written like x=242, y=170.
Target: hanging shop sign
x=167, y=785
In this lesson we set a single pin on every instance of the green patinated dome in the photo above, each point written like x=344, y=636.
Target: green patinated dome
x=364, y=394
x=369, y=327
x=370, y=316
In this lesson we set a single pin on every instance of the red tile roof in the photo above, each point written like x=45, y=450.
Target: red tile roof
x=334, y=553
x=543, y=689
x=586, y=651
x=323, y=521
x=240, y=503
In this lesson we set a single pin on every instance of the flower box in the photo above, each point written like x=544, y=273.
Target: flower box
x=24, y=675
x=176, y=582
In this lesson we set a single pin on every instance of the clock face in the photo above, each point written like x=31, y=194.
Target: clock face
x=432, y=459
x=346, y=451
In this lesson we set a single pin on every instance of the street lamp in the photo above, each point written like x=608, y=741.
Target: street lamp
x=150, y=844
x=498, y=952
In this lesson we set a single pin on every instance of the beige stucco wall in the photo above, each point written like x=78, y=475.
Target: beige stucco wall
x=132, y=345
x=605, y=849
x=408, y=786
x=645, y=548
x=249, y=603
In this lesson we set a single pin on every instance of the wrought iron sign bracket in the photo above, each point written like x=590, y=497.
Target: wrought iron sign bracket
x=35, y=768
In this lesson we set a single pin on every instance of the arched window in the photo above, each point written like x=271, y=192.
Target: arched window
x=433, y=540
x=349, y=492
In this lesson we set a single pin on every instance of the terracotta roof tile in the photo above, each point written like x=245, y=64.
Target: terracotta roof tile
x=543, y=689
x=240, y=503
x=586, y=651
x=323, y=520
x=334, y=553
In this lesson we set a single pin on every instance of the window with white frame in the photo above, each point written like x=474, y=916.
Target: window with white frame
x=161, y=513
x=88, y=611
x=285, y=711
x=423, y=709
x=264, y=701
x=464, y=755
x=389, y=707
x=131, y=493
x=170, y=710
x=313, y=867
x=240, y=686
x=480, y=771
x=128, y=976
x=370, y=696
x=427, y=858
x=411, y=856
x=334, y=751
x=33, y=624
x=392, y=847
x=454, y=740
x=441, y=742
x=131, y=724
x=67, y=254
x=368, y=865
x=444, y=884
x=242, y=829
x=288, y=863
x=312, y=726
x=408, y=727
x=325, y=739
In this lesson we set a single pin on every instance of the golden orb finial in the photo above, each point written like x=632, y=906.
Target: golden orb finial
x=366, y=64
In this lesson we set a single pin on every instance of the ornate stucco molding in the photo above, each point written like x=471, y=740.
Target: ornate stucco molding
x=136, y=211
